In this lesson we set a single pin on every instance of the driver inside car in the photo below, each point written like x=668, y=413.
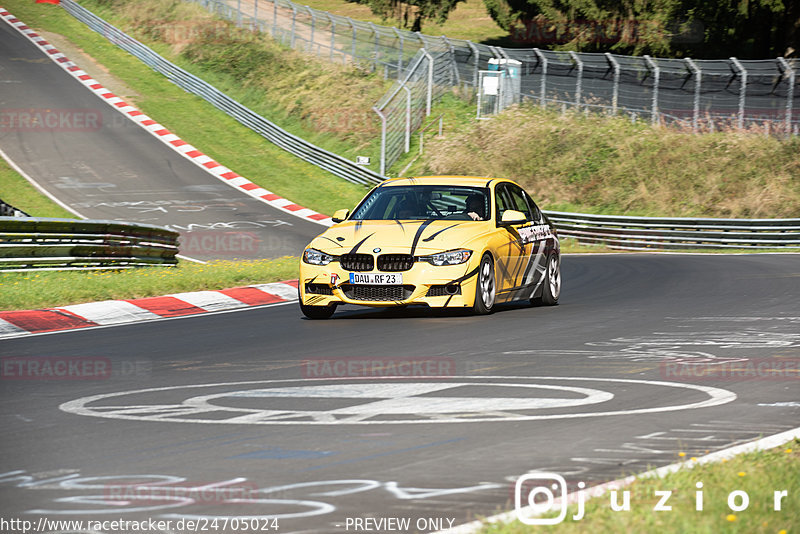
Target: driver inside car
x=475, y=207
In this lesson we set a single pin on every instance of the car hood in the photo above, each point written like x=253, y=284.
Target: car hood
x=398, y=237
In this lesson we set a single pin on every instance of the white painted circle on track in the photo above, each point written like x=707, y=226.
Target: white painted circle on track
x=370, y=402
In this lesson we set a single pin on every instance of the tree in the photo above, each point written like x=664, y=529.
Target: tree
x=411, y=13
x=697, y=28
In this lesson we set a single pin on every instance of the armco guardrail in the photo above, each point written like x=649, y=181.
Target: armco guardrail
x=31, y=243
x=649, y=233
x=301, y=148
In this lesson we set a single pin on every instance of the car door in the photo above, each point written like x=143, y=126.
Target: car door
x=535, y=235
x=513, y=253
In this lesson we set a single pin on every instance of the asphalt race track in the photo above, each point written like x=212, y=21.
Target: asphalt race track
x=417, y=415
x=106, y=167
x=290, y=418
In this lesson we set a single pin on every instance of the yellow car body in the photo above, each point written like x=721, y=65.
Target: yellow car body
x=414, y=241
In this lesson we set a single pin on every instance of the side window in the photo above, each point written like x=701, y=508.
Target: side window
x=503, y=201
x=537, y=213
x=520, y=203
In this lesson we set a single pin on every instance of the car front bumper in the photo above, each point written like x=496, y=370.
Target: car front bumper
x=451, y=286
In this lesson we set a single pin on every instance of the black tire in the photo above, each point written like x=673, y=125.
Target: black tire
x=317, y=312
x=551, y=287
x=485, y=287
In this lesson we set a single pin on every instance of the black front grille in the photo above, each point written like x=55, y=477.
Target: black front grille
x=357, y=262
x=395, y=262
x=377, y=293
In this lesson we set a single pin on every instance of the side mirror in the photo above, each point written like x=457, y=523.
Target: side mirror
x=513, y=217
x=340, y=215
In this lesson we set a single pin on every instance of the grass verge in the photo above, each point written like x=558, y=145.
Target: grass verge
x=600, y=164
x=30, y=290
x=18, y=192
x=758, y=474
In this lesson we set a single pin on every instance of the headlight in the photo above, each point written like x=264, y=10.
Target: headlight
x=316, y=257
x=451, y=257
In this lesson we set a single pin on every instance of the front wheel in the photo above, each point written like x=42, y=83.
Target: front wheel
x=485, y=290
x=317, y=312
x=551, y=287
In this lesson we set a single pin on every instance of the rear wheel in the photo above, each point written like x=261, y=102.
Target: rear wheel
x=485, y=291
x=317, y=312
x=551, y=287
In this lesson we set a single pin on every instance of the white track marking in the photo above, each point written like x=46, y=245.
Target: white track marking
x=475, y=413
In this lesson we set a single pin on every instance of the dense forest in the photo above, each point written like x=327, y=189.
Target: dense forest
x=748, y=29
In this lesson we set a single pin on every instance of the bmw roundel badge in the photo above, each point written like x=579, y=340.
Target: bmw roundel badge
x=376, y=250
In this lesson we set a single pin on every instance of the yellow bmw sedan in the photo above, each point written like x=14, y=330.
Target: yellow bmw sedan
x=440, y=241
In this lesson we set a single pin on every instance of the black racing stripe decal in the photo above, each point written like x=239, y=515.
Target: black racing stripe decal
x=448, y=301
x=401, y=225
x=332, y=241
x=355, y=248
x=439, y=232
x=467, y=276
x=419, y=234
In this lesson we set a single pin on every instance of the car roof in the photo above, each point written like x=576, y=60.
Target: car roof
x=471, y=181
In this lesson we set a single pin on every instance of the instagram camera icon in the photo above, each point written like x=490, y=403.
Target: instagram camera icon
x=527, y=510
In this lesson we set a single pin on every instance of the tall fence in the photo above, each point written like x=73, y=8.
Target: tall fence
x=702, y=95
x=29, y=243
x=430, y=73
x=297, y=146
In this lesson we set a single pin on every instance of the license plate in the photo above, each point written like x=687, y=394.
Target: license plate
x=377, y=279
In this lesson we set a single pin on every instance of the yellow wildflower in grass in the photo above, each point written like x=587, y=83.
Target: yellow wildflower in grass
x=741, y=473
x=681, y=454
x=787, y=451
x=731, y=517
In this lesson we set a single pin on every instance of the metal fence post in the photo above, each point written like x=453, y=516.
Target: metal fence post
x=383, y=139
x=255, y=12
x=697, y=84
x=355, y=38
x=788, y=72
x=477, y=54
x=239, y=13
x=408, y=119
x=313, y=25
x=579, y=81
x=399, y=53
x=656, y=80
x=429, y=96
x=275, y=19
x=375, y=53
x=454, y=75
x=333, y=34
x=294, y=22
x=742, y=88
x=615, y=95
x=543, y=62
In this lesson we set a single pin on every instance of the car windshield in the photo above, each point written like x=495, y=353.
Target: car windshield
x=423, y=202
